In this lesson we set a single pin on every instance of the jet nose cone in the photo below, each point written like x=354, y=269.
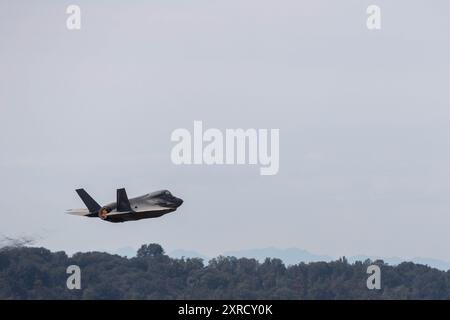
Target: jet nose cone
x=178, y=202
x=175, y=202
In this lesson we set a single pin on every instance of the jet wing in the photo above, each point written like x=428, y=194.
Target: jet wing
x=123, y=204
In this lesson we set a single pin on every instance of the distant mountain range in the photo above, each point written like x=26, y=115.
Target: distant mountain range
x=288, y=256
x=291, y=256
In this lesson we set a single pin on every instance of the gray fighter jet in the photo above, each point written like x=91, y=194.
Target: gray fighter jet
x=151, y=205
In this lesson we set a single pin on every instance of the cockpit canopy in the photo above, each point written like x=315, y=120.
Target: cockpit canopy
x=160, y=193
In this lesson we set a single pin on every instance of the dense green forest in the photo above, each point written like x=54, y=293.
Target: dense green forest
x=37, y=273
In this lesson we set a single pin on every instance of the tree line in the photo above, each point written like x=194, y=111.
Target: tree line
x=38, y=273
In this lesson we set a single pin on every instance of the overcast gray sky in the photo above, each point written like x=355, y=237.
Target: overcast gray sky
x=364, y=119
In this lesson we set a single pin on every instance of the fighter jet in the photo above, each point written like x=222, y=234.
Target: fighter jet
x=151, y=205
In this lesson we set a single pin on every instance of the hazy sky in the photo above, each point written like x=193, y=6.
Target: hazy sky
x=364, y=119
